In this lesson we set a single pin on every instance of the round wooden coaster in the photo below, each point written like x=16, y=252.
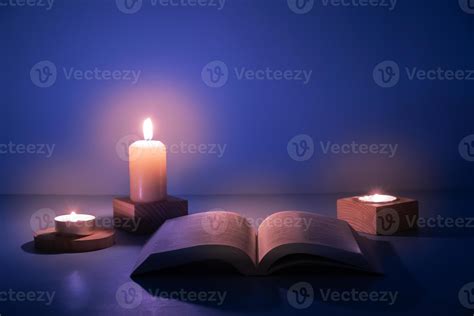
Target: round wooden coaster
x=50, y=241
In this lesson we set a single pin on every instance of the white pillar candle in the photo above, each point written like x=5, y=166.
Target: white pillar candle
x=147, y=168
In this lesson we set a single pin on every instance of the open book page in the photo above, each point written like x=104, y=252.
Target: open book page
x=293, y=232
x=222, y=236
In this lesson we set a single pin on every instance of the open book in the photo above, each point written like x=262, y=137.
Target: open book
x=283, y=240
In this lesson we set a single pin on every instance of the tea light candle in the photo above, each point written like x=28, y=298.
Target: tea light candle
x=75, y=224
x=377, y=198
x=147, y=168
x=378, y=214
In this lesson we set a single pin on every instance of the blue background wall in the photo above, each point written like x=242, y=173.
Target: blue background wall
x=87, y=120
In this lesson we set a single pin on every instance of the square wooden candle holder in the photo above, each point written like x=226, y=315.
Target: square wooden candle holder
x=146, y=218
x=378, y=218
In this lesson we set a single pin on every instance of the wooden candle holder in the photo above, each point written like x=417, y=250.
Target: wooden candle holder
x=146, y=218
x=379, y=218
x=49, y=240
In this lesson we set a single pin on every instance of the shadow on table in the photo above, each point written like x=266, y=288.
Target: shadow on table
x=121, y=239
x=233, y=292
x=441, y=232
x=29, y=247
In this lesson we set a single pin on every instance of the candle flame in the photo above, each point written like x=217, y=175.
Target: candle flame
x=377, y=198
x=73, y=217
x=148, y=129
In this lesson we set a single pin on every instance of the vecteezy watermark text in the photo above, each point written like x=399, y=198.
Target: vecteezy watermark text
x=387, y=74
x=388, y=150
x=12, y=148
x=44, y=218
x=216, y=74
x=216, y=297
x=305, y=6
x=47, y=4
x=389, y=220
x=301, y=148
x=130, y=295
x=301, y=295
x=277, y=222
x=202, y=149
x=218, y=150
x=355, y=295
x=215, y=222
x=301, y=75
x=44, y=74
x=440, y=222
x=44, y=297
x=133, y=6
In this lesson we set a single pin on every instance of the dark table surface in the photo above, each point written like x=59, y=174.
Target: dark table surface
x=426, y=269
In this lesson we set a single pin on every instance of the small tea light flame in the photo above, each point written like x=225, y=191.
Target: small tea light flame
x=73, y=217
x=148, y=129
x=377, y=198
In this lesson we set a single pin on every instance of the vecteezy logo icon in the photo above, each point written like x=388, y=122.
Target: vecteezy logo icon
x=466, y=148
x=301, y=6
x=467, y=6
x=122, y=145
x=300, y=147
x=42, y=219
x=388, y=221
x=43, y=74
x=129, y=6
x=129, y=295
x=466, y=295
x=300, y=295
x=215, y=74
x=387, y=74
x=214, y=222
